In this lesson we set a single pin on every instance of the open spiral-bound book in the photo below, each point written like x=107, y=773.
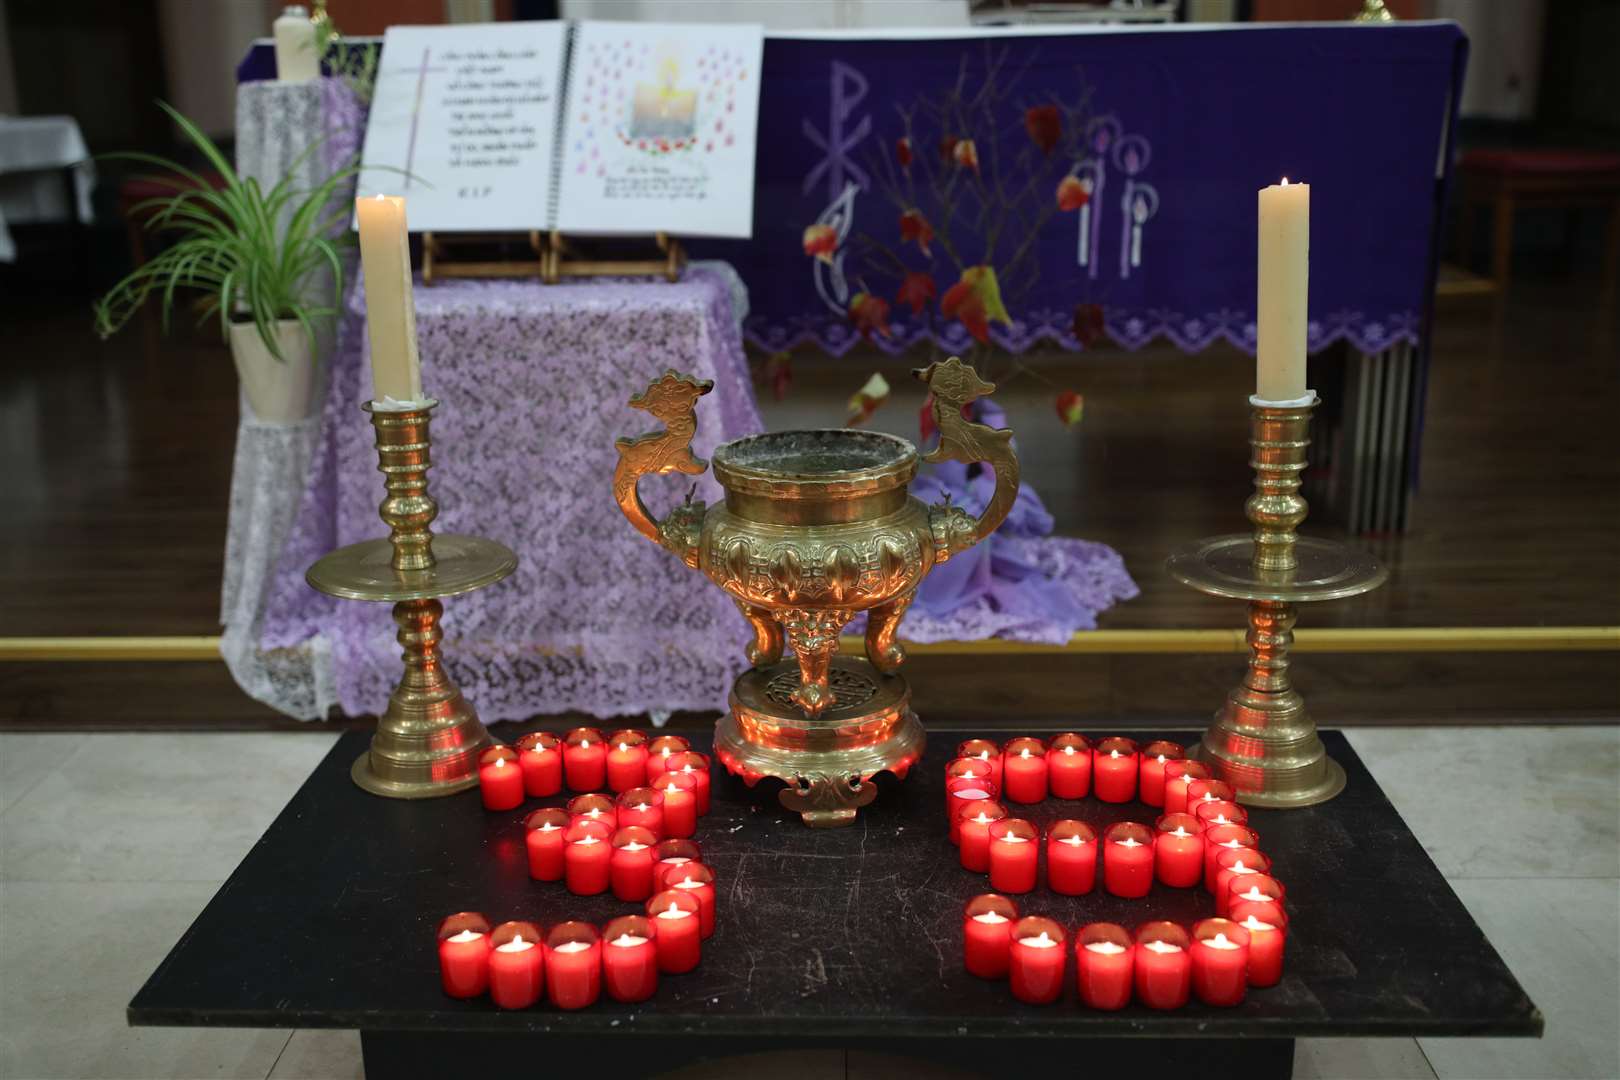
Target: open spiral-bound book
x=590, y=127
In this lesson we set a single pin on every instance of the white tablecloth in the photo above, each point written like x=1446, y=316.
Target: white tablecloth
x=33, y=152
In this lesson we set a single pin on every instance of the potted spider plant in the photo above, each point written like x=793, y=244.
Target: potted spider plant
x=259, y=257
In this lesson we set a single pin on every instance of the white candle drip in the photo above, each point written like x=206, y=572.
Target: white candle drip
x=1107, y=948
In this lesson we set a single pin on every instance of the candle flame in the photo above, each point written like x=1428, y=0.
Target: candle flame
x=1069, y=750
x=983, y=818
x=1024, y=753
x=500, y=762
x=1113, y=753
x=1254, y=893
x=1285, y=181
x=583, y=743
x=1180, y=832
x=587, y=840
x=1221, y=941
x=1162, y=947
x=623, y=747
x=1252, y=923
x=1129, y=841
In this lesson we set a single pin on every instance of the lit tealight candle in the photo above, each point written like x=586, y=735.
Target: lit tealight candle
x=1162, y=947
x=1129, y=842
x=1072, y=841
x=464, y=936
x=572, y=947
x=516, y=969
x=1040, y=941
x=1108, y=948
x=626, y=941
x=1011, y=839
x=1035, y=969
x=517, y=944
x=673, y=912
x=1219, y=941
x=987, y=917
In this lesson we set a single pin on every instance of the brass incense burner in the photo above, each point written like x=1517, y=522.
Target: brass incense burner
x=816, y=527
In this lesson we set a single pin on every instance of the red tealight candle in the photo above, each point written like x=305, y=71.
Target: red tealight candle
x=660, y=750
x=967, y=768
x=1212, y=812
x=500, y=779
x=674, y=851
x=696, y=880
x=679, y=920
x=1233, y=864
x=1038, y=957
x=598, y=808
x=987, y=923
x=630, y=867
x=1013, y=855
x=587, y=856
x=1219, y=838
x=695, y=765
x=630, y=958
x=464, y=954
x=540, y=755
x=573, y=965
x=585, y=760
x=961, y=795
x=1178, y=850
x=973, y=833
x=626, y=760
x=1103, y=965
x=643, y=806
x=1220, y=961
x=1068, y=767
x=1268, y=930
x=1177, y=775
x=1254, y=888
x=1071, y=858
x=1163, y=967
x=1023, y=770
x=543, y=837
x=516, y=965
x=1206, y=789
x=680, y=803
x=1113, y=770
x=984, y=750
x=1128, y=859
x=1150, y=772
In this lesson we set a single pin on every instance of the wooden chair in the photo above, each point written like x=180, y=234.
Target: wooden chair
x=1505, y=180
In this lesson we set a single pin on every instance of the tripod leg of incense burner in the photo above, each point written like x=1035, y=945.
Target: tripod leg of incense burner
x=429, y=737
x=1263, y=741
x=814, y=637
x=766, y=648
x=825, y=801
x=882, y=624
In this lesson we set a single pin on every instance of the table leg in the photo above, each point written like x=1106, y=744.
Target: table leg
x=434, y=1055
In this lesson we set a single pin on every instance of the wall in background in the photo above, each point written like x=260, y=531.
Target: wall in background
x=821, y=15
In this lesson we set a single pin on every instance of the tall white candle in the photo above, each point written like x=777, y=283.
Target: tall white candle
x=1285, y=245
x=294, y=32
x=385, y=255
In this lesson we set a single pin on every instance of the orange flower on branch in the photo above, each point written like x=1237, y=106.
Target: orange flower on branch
x=869, y=313
x=1045, y=125
x=1088, y=324
x=1070, y=407
x=867, y=400
x=975, y=301
x=917, y=289
x=913, y=226
x=1072, y=194
x=821, y=241
x=966, y=154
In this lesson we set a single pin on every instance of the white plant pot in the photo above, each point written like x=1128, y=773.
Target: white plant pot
x=279, y=391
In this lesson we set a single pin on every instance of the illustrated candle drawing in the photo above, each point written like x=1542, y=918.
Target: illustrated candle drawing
x=540, y=755
x=385, y=257
x=1178, y=850
x=1104, y=965
x=543, y=837
x=987, y=923
x=1280, y=309
x=1177, y=776
x=598, y=808
x=585, y=760
x=960, y=795
x=1114, y=769
x=573, y=965
x=630, y=958
x=1128, y=859
x=697, y=880
x=984, y=750
x=1150, y=773
x=1220, y=961
x=643, y=806
x=630, y=867
x=1023, y=770
x=464, y=954
x=500, y=779
x=1267, y=927
x=1163, y=966
x=680, y=930
x=1219, y=838
x=1068, y=767
x=973, y=833
x=695, y=765
x=1071, y=858
x=680, y=803
x=1013, y=855
x=516, y=965
x=587, y=855
x=660, y=750
x=1236, y=864
x=626, y=760
x=1037, y=961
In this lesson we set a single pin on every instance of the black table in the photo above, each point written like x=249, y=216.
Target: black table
x=826, y=938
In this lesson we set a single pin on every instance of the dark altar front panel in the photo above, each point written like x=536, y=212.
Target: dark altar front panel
x=845, y=937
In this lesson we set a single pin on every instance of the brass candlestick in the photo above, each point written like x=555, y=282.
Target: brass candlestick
x=429, y=737
x=1263, y=741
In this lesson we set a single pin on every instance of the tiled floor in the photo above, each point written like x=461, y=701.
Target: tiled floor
x=110, y=845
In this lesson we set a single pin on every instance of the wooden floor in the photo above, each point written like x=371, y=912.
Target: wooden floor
x=119, y=467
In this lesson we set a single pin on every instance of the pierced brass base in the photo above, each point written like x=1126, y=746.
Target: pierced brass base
x=828, y=763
